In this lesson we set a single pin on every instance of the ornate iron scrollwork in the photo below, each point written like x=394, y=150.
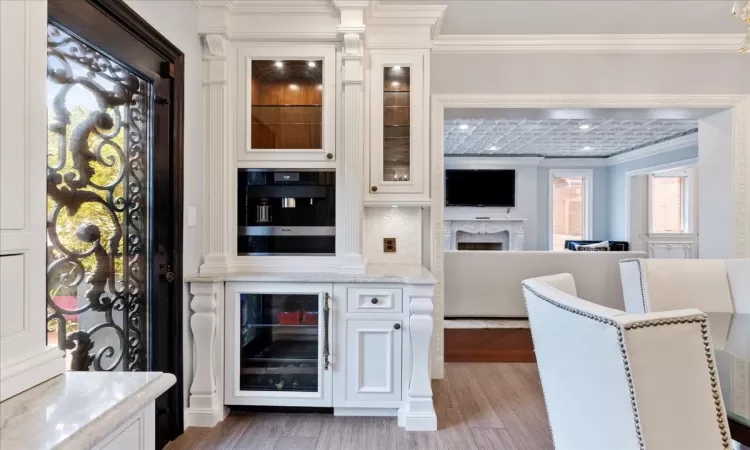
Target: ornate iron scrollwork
x=98, y=149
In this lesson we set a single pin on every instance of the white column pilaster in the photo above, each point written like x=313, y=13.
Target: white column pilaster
x=351, y=152
x=418, y=411
x=218, y=161
x=206, y=402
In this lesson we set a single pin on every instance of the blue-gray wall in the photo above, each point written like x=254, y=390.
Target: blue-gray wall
x=601, y=206
x=617, y=208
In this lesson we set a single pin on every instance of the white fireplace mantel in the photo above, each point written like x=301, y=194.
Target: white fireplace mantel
x=489, y=226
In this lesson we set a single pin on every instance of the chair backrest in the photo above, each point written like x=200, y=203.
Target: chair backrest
x=651, y=285
x=618, y=381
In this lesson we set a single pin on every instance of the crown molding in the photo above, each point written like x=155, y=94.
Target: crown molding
x=655, y=149
x=407, y=15
x=271, y=7
x=589, y=43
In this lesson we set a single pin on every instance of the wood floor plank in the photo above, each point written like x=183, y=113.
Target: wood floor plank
x=296, y=443
x=263, y=432
x=304, y=425
x=512, y=391
x=467, y=392
x=492, y=439
x=227, y=433
x=517, y=405
x=453, y=432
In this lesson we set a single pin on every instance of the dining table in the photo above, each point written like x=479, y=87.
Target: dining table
x=730, y=334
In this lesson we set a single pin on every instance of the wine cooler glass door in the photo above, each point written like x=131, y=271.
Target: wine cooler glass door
x=282, y=347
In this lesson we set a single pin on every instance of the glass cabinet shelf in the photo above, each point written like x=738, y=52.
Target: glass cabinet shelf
x=279, y=342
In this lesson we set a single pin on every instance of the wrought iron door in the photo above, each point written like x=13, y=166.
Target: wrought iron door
x=114, y=195
x=98, y=164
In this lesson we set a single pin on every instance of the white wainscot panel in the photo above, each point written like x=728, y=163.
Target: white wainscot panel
x=681, y=250
x=13, y=318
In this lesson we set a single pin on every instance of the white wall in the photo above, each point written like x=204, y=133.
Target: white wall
x=715, y=196
x=404, y=224
x=618, y=185
x=178, y=22
x=527, y=197
x=577, y=73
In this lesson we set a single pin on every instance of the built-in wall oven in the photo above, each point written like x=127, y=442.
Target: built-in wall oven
x=286, y=212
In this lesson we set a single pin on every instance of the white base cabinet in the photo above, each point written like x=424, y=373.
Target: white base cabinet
x=360, y=348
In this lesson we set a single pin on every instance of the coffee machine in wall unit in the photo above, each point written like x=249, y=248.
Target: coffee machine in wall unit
x=286, y=212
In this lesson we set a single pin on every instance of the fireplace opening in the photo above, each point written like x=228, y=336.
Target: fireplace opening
x=490, y=246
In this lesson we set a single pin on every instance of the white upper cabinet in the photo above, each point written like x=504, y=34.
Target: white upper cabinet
x=286, y=103
x=399, y=127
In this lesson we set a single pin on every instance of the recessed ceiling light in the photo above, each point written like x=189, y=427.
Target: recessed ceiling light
x=311, y=64
x=584, y=126
x=294, y=87
x=493, y=148
x=394, y=206
x=587, y=148
x=396, y=68
x=395, y=84
x=279, y=64
x=320, y=87
x=463, y=126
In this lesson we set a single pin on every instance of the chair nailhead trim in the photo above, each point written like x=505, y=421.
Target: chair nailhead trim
x=702, y=318
x=640, y=279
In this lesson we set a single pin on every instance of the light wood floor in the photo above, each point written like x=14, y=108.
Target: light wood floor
x=480, y=406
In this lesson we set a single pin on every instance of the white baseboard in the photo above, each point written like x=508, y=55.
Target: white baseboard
x=366, y=412
x=206, y=418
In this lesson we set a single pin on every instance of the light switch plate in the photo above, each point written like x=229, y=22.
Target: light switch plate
x=389, y=245
x=191, y=216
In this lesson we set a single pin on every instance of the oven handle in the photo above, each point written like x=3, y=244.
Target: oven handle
x=326, y=348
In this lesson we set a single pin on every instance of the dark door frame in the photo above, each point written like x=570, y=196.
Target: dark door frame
x=83, y=17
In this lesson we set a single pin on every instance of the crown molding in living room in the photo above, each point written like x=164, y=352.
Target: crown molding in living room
x=588, y=43
x=662, y=147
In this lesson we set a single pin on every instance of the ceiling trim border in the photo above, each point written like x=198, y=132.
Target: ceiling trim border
x=588, y=43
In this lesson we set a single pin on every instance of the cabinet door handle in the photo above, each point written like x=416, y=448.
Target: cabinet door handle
x=326, y=349
x=374, y=301
x=397, y=326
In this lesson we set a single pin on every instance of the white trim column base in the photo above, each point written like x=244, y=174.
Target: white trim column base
x=205, y=417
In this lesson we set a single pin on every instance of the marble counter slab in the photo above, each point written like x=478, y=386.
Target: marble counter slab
x=76, y=410
x=375, y=273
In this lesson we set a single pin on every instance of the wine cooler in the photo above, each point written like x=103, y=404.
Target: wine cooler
x=279, y=348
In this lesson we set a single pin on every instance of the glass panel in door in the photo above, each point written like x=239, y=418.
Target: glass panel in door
x=279, y=343
x=98, y=248
x=396, y=123
x=287, y=104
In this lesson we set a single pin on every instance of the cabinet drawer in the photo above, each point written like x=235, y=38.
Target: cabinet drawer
x=366, y=299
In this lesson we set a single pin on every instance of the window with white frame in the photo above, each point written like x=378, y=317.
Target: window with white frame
x=570, y=206
x=669, y=201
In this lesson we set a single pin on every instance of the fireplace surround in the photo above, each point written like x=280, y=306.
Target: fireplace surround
x=488, y=231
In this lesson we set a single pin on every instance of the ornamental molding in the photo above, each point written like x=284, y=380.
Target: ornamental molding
x=215, y=44
x=588, y=43
x=409, y=15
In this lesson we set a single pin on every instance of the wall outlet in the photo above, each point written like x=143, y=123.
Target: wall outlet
x=389, y=245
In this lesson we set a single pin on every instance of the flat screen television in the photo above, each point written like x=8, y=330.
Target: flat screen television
x=480, y=188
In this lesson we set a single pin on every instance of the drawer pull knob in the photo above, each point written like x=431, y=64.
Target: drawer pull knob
x=374, y=301
x=397, y=326
x=329, y=156
x=374, y=189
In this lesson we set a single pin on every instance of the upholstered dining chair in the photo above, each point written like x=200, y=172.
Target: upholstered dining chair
x=620, y=381
x=710, y=285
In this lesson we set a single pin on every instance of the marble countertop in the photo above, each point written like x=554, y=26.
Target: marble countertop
x=375, y=273
x=76, y=410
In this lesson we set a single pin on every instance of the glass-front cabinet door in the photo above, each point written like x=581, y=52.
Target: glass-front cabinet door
x=278, y=350
x=289, y=111
x=398, y=125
